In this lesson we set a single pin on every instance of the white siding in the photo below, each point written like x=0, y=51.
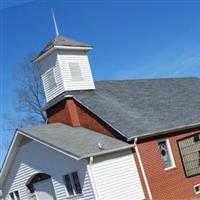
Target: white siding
x=116, y=177
x=59, y=61
x=32, y=158
x=51, y=62
x=82, y=59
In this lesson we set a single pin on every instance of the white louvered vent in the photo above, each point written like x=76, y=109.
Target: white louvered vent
x=75, y=71
x=51, y=81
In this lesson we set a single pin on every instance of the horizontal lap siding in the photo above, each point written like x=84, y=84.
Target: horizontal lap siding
x=59, y=62
x=52, y=62
x=82, y=59
x=19, y=175
x=33, y=158
x=116, y=177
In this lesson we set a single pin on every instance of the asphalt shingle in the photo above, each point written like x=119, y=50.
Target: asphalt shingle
x=77, y=141
x=140, y=107
x=62, y=41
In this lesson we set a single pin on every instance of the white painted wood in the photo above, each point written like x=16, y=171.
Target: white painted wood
x=92, y=180
x=44, y=190
x=116, y=177
x=33, y=158
x=51, y=63
x=59, y=62
x=80, y=57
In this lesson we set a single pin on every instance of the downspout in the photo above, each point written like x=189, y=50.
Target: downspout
x=142, y=169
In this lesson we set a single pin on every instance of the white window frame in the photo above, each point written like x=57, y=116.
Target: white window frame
x=198, y=185
x=173, y=165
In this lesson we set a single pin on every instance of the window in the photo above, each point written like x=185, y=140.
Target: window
x=69, y=185
x=75, y=72
x=189, y=148
x=197, y=189
x=76, y=183
x=197, y=138
x=199, y=158
x=17, y=195
x=51, y=81
x=166, y=153
x=73, y=184
x=14, y=195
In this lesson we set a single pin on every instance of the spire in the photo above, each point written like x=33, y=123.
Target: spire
x=55, y=24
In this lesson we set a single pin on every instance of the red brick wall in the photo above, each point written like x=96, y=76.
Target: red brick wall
x=171, y=184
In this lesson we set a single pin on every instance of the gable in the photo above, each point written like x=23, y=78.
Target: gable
x=34, y=157
x=19, y=140
x=77, y=143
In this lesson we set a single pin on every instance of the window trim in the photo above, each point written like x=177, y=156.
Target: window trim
x=173, y=164
x=197, y=185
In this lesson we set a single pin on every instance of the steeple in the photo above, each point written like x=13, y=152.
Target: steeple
x=64, y=66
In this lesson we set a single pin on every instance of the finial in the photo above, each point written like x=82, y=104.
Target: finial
x=55, y=24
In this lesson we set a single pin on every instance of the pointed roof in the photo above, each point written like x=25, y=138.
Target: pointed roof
x=62, y=41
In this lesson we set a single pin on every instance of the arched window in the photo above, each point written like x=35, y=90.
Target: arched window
x=36, y=178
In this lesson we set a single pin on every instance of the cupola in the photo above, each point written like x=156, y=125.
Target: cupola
x=64, y=66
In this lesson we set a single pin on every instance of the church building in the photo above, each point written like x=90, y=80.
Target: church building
x=105, y=140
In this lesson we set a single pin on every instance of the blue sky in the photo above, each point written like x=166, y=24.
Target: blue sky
x=131, y=39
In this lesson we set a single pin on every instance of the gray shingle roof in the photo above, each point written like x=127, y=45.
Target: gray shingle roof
x=77, y=141
x=140, y=107
x=62, y=41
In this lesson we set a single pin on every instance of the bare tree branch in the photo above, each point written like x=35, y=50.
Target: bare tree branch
x=28, y=96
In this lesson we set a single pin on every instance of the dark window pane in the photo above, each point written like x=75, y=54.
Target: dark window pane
x=197, y=138
x=69, y=185
x=17, y=195
x=197, y=188
x=199, y=158
x=77, y=183
x=12, y=196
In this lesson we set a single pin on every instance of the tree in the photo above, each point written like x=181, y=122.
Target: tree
x=28, y=96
